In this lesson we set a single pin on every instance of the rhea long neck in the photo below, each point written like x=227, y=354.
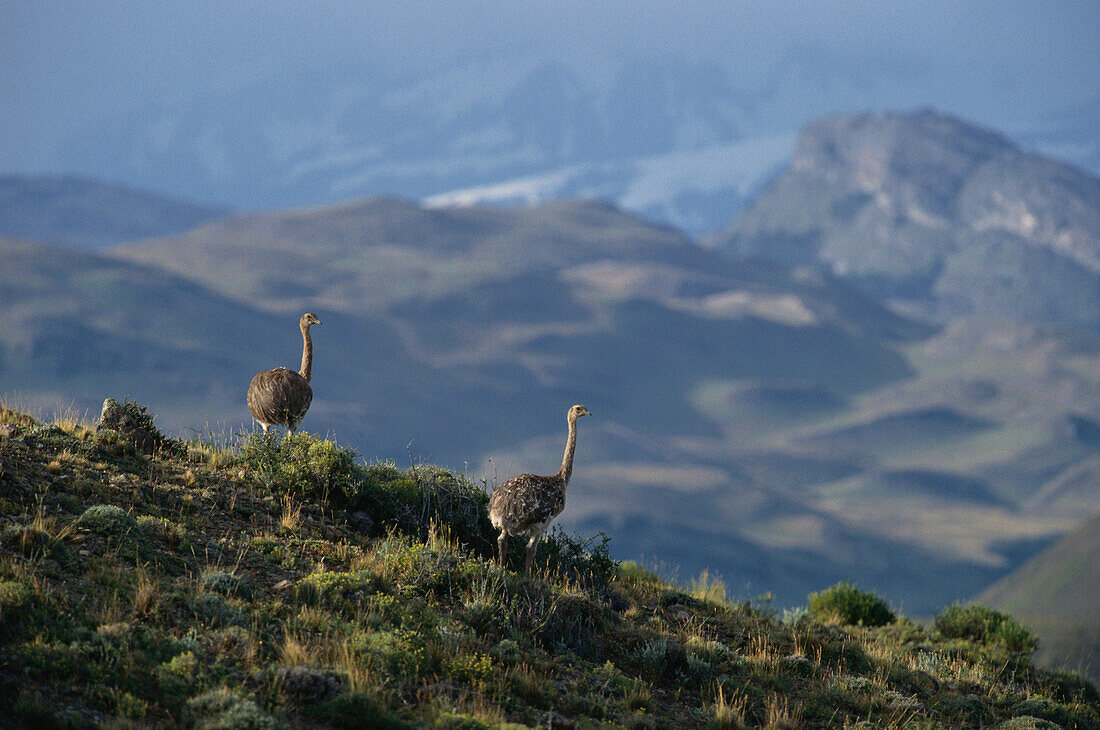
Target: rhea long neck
x=307, y=353
x=570, y=446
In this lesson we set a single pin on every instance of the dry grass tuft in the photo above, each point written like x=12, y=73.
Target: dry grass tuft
x=728, y=713
x=293, y=651
x=146, y=596
x=291, y=519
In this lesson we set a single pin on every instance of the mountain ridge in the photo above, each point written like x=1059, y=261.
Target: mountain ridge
x=90, y=213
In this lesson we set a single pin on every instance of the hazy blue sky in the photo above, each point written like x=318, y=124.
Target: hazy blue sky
x=65, y=64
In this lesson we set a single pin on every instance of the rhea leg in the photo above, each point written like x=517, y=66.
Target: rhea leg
x=502, y=546
x=532, y=547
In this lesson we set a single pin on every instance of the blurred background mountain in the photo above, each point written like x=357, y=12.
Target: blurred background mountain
x=820, y=343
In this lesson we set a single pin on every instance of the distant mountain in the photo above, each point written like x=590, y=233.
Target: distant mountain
x=90, y=214
x=1055, y=592
x=926, y=208
x=662, y=136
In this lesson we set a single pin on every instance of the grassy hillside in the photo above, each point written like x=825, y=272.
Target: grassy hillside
x=284, y=583
x=1055, y=593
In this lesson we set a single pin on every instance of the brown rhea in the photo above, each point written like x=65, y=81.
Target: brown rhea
x=281, y=397
x=528, y=503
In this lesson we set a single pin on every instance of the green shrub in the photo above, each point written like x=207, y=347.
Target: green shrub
x=986, y=626
x=586, y=561
x=452, y=721
x=302, y=466
x=108, y=520
x=332, y=586
x=223, y=710
x=355, y=710
x=25, y=539
x=177, y=676
x=632, y=573
x=14, y=595
x=131, y=420
x=227, y=584
x=849, y=605
x=1027, y=722
x=212, y=610
x=570, y=621
x=416, y=500
x=412, y=501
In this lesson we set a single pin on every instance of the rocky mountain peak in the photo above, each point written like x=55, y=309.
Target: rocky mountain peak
x=926, y=206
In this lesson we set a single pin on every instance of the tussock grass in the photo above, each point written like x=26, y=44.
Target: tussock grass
x=284, y=583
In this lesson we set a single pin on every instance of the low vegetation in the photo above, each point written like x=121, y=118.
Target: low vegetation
x=282, y=583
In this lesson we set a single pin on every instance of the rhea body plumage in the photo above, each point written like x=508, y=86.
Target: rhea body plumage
x=528, y=503
x=281, y=397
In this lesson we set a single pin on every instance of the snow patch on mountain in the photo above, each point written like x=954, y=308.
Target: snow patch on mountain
x=680, y=187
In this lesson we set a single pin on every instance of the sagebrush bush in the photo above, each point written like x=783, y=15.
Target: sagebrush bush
x=227, y=584
x=986, y=626
x=108, y=520
x=849, y=605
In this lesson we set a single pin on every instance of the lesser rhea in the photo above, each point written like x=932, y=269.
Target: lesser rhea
x=281, y=397
x=528, y=503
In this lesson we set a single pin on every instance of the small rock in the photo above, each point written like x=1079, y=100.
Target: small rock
x=283, y=585
x=309, y=685
x=362, y=521
x=115, y=417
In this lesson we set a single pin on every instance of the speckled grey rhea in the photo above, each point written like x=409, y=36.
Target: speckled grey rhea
x=528, y=503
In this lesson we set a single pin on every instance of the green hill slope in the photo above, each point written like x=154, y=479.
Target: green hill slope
x=281, y=583
x=1055, y=593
